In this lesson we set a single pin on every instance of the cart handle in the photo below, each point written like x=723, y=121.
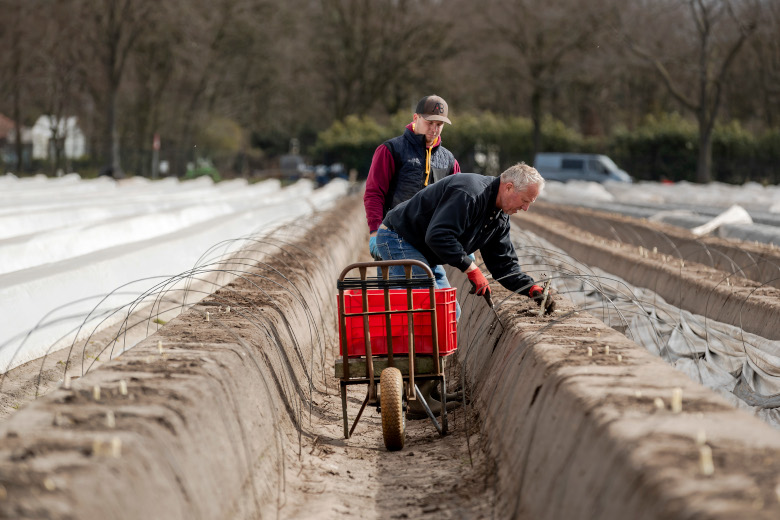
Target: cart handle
x=414, y=263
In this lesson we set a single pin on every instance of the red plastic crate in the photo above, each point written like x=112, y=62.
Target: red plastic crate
x=423, y=342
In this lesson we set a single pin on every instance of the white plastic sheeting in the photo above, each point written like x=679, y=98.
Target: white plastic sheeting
x=718, y=355
x=577, y=191
x=67, y=243
x=702, y=208
x=749, y=195
x=734, y=215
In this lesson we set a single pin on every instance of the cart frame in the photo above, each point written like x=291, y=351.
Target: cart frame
x=412, y=370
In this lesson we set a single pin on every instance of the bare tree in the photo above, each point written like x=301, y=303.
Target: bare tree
x=202, y=65
x=288, y=92
x=544, y=39
x=153, y=66
x=766, y=48
x=15, y=68
x=57, y=56
x=255, y=62
x=715, y=33
x=287, y=69
x=113, y=28
x=379, y=53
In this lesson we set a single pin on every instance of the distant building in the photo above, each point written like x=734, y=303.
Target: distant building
x=66, y=129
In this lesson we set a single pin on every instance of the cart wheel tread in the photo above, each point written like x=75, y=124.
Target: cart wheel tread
x=391, y=388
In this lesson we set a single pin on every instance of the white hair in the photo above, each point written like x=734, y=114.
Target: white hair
x=521, y=176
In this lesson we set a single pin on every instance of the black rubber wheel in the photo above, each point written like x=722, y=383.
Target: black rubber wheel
x=391, y=395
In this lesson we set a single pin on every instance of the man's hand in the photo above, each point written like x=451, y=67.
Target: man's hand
x=479, y=284
x=536, y=293
x=373, y=249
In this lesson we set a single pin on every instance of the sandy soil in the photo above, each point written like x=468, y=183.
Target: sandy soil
x=432, y=477
x=198, y=418
x=324, y=475
x=699, y=288
x=38, y=377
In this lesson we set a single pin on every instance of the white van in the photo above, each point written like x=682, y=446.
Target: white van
x=565, y=167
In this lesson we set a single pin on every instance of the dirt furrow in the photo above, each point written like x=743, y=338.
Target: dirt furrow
x=701, y=289
x=235, y=414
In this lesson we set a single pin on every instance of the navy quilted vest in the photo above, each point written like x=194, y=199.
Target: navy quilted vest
x=409, y=156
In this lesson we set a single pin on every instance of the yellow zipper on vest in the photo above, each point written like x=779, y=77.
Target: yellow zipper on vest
x=427, y=165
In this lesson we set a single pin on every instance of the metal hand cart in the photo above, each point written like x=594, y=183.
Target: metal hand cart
x=395, y=332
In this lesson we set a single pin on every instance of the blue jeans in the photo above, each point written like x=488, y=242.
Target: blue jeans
x=392, y=247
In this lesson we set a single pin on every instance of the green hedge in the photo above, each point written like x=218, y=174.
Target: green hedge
x=667, y=148
x=767, y=163
x=664, y=147
x=661, y=148
x=351, y=142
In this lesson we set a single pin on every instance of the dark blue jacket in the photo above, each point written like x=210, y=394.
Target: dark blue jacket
x=457, y=216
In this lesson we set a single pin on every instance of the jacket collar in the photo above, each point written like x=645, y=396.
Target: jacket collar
x=419, y=139
x=494, y=186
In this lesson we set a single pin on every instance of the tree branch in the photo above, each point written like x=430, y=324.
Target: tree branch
x=663, y=72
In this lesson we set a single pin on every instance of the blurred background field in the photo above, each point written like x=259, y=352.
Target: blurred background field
x=670, y=89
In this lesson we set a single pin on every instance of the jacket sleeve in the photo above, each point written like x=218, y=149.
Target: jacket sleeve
x=450, y=221
x=501, y=260
x=377, y=185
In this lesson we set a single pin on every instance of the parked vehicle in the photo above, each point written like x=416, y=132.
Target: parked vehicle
x=566, y=167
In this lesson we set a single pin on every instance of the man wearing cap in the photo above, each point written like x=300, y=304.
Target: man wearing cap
x=462, y=214
x=404, y=165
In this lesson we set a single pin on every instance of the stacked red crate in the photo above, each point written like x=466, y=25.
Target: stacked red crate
x=423, y=340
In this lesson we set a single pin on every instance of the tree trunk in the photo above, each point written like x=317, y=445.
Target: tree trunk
x=111, y=144
x=116, y=163
x=57, y=163
x=18, y=145
x=108, y=133
x=16, y=52
x=704, y=163
x=536, y=118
